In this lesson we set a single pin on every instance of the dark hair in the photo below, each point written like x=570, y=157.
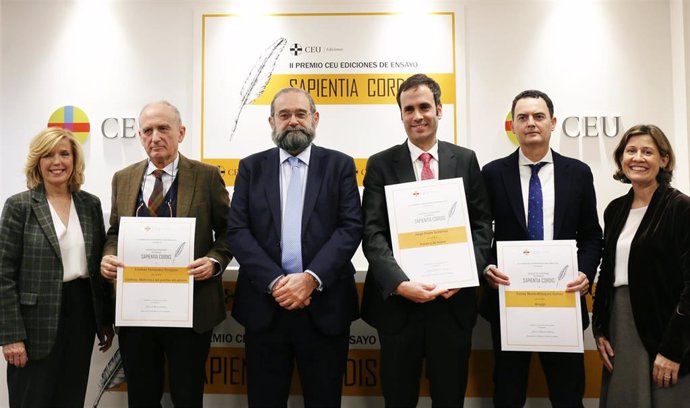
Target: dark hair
x=665, y=150
x=312, y=105
x=417, y=80
x=532, y=93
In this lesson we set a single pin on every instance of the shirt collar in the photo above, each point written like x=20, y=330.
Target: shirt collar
x=416, y=151
x=524, y=161
x=169, y=169
x=303, y=156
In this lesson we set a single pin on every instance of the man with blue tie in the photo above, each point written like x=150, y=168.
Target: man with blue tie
x=538, y=194
x=295, y=222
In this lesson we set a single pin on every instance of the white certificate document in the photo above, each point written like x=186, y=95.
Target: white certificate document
x=154, y=288
x=536, y=312
x=430, y=232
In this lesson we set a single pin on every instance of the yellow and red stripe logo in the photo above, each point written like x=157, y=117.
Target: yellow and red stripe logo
x=71, y=118
x=509, y=129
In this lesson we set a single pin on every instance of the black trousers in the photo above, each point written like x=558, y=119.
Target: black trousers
x=432, y=334
x=144, y=352
x=564, y=372
x=60, y=379
x=293, y=338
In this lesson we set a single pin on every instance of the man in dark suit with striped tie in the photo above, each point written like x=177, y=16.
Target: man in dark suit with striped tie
x=168, y=184
x=538, y=194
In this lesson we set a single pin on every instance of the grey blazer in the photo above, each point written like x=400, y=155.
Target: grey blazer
x=31, y=269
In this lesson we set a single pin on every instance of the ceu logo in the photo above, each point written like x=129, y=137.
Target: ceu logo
x=509, y=129
x=73, y=119
x=296, y=49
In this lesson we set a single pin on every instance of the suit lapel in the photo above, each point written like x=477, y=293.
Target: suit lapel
x=40, y=207
x=185, y=186
x=446, y=162
x=510, y=174
x=127, y=200
x=314, y=178
x=562, y=180
x=271, y=170
x=402, y=164
x=85, y=220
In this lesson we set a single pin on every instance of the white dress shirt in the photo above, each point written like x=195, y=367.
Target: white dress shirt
x=417, y=163
x=547, y=188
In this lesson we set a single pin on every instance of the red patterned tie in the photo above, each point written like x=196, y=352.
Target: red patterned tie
x=427, y=174
x=157, y=194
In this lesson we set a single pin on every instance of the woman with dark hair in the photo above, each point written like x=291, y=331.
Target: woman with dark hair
x=641, y=317
x=53, y=300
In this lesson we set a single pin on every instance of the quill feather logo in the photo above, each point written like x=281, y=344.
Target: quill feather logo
x=258, y=78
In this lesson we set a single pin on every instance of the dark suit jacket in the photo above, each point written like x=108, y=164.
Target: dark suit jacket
x=393, y=166
x=331, y=232
x=575, y=216
x=201, y=194
x=31, y=269
x=658, y=273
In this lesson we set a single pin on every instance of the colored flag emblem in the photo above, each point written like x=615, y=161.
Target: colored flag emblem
x=509, y=129
x=73, y=119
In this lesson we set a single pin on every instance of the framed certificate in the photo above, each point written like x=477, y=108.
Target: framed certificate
x=430, y=232
x=154, y=288
x=537, y=314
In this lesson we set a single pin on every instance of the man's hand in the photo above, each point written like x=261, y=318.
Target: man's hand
x=105, y=337
x=293, y=291
x=202, y=268
x=495, y=277
x=449, y=293
x=580, y=284
x=109, y=265
x=15, y=354
x=418, y=292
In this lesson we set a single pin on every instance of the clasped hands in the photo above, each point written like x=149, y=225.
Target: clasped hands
x=293, y=291
x=201, y=269
x=495, y=277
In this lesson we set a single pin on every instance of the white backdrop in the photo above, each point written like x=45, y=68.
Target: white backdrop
x=594, y=58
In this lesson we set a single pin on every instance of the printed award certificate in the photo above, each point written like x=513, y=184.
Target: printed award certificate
x=430, y=232
x=536, y=312
x=154, y=288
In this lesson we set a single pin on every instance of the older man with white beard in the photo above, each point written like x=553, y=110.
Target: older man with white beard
x=295, y=221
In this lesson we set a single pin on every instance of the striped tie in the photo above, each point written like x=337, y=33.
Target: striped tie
x=157, y=194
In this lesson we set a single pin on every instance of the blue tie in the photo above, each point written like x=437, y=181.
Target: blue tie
x=292, y=222
x=535, y=205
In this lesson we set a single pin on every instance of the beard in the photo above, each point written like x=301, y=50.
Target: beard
x=293, y=139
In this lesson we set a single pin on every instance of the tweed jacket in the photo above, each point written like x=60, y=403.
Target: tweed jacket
x=658, y=273
x=201, y=194
x=31, y=269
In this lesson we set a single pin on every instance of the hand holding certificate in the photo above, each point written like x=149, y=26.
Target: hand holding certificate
x=155, y=288
x=537, y=314
x=430, y=232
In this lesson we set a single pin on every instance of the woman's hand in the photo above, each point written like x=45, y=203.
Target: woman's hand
x=665, y=371
x=605, y=352
x=15, y=354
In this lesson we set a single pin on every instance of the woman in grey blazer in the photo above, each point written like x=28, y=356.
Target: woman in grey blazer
x=52, y=297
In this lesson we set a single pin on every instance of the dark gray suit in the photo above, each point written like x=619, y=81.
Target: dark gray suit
x=394, y=316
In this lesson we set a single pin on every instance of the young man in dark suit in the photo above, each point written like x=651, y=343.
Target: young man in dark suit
x=568, y=211
x=188, y=188
x=295, y=222
x=415, y=320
